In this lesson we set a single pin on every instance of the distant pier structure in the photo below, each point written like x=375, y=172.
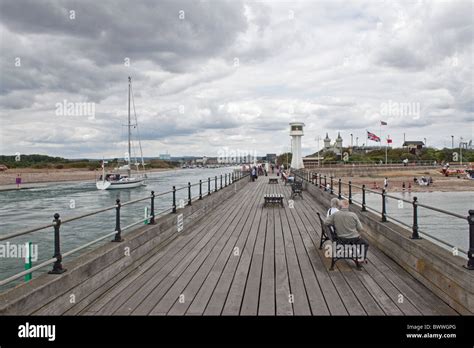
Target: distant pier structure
x=296, y=132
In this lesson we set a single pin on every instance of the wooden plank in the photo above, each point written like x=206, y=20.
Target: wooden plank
x=160, y=300
x=252, y=289
x=124, y=276
x=211, y=269
x=135, y=291
x=304, y=249
x=235, y=295
x=267, y=289
x=220, y=294
x=298, y=292
x=282, y=279
x=421, y=297
x=317, y=258
x=367, y=301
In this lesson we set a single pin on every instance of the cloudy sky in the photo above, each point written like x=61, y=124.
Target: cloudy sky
x=213, y=74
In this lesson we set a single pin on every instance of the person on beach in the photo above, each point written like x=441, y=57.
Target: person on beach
x=334, y=207
x=385, y=183
x=18, y=181
x=409, y=187
x=348, y=227
x=403, y=186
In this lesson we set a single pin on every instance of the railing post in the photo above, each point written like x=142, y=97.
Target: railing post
x=332, y=185
x=339, y=187
x=208, y=186
x=363, y=198
x=189, y=194
x=325, y=182
x=174, y=199
x=470, y=252
x=118, y=235
x=225, y=180
x=350, y=192
x=384, y=208
x=215, y=184
x=320, y=180
x=57, y=266
x=415, y=234
x=221, y=182
x=200, y=189
x=152, y=220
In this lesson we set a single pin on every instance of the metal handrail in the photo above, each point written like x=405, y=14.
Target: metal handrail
x=312, y=178
x=57, y=222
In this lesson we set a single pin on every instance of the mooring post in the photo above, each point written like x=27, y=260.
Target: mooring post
x=470, y=252
x=350, y=192
x=189, y=194
x=384, y=208
x=339, y=195
x=118, y=230
x=57, y=266
x=363, y=198
x=415, y=234
x=152, y=220
x=200, y=189
x=174, y=199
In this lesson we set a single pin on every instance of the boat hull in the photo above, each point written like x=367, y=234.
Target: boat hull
x=116, y=185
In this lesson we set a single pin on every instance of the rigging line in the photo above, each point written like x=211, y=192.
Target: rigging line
x=138, y=132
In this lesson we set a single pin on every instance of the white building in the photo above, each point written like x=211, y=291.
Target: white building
x=336, y=147
x=296, y=132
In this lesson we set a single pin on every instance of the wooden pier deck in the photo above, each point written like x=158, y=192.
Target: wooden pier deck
x=246, y=259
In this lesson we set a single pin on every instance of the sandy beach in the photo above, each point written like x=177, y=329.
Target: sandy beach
x=30, y=176
x=396, y=179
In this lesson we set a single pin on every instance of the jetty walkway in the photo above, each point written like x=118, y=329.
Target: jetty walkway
x=234, y=256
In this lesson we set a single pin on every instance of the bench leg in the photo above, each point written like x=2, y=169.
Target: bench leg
x=333, y=262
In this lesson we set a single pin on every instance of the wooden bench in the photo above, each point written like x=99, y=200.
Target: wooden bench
x=273, y=198
x=273, y=180
x=329, y=233
x=297, y=189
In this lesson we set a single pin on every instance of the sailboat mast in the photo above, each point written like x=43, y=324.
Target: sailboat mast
x=129, y=128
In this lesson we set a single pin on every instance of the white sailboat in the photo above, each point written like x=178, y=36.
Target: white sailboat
x=122, y=177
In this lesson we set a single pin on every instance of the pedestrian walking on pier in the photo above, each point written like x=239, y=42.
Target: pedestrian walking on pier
x=18, y=181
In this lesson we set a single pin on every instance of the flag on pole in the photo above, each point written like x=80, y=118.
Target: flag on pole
x=372, y=136
x=389, y=141
x=383, y=123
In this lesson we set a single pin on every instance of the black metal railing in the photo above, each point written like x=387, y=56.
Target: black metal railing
x=57, y=222
x=313, y=178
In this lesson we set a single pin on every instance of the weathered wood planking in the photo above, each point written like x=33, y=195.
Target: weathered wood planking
x=277, y=270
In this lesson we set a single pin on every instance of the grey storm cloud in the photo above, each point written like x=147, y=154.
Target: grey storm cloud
x=229, y=73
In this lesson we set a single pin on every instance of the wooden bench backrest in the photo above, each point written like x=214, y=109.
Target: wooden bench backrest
x=325, y=229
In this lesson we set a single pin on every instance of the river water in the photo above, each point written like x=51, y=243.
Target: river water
x=452, y=230
x=24, y=209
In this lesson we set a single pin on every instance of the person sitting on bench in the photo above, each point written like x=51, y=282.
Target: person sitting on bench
x=334, y=207
x=347, y=226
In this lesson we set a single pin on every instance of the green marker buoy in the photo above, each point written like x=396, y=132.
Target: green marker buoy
x=28, y=262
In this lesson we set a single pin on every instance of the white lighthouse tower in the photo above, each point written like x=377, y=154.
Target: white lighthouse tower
x=296, y=132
